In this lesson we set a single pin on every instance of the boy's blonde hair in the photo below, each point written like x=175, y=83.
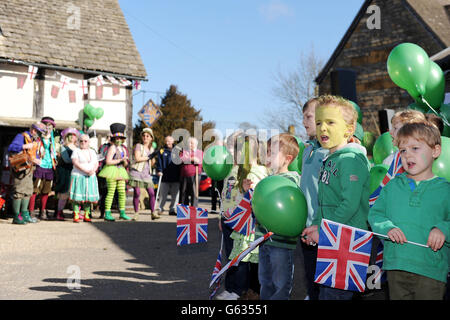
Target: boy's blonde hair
x=287, y=144
x=408, y=116
x=422, y=131
x=349, y=113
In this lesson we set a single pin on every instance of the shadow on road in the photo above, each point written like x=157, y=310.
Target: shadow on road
x=163, y=271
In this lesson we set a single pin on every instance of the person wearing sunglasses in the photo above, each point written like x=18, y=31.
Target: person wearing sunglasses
x=83, y=180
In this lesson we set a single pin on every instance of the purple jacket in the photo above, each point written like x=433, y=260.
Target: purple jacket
x=16, y=145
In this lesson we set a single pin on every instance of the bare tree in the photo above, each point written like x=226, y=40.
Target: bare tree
x=292, y=89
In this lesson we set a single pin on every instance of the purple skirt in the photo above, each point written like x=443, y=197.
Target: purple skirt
x=44, y=174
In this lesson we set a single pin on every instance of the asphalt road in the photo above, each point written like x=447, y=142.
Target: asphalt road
x=123, y=260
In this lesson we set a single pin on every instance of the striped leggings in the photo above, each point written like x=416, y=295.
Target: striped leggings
x=112, y=185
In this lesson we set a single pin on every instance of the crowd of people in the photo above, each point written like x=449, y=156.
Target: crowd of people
x=335, y=179
x=75, y=172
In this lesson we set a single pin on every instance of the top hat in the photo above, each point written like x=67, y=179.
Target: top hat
x=50, y=120
x=117, y=130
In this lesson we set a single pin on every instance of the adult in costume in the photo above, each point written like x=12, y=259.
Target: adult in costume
x=141, y=172
x=27, y=142
x=115, y=171
x=83, y=181
x=44, y=174
x=64, y=169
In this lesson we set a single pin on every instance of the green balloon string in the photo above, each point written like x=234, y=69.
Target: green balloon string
x=444, y=118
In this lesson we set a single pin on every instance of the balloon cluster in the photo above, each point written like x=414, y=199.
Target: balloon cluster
x=91, y=114
x=411, y=69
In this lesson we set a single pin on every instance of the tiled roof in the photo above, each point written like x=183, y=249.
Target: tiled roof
x=433, y=13
x=81, y=34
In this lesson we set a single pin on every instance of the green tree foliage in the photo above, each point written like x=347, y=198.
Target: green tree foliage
x=178, y=113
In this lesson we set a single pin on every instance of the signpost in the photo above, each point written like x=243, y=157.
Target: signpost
x=150, y=113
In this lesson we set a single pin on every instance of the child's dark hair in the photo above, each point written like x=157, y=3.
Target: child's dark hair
x=311, y=102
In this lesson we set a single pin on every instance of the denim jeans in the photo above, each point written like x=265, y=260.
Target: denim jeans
x=275, y=272
x=327, y=293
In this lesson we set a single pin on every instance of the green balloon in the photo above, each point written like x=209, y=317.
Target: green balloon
x=296, y=164
x=369, y=141
x=154, y=145
x=444, y=112
x=441, y=166
x=89, y=111
x=408, y=66
x=418, y=107
x=383, y=147
x=99, y=113
x=88, y=122
x=358, y=109
x=217, y=162
x=377, y=173
x=280, y=206
x=435, y=88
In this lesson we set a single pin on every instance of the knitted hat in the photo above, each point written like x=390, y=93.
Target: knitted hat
x=118, y=130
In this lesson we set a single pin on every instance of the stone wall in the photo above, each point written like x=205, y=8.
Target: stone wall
x=366, y=52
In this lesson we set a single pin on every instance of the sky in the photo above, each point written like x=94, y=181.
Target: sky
x=223, y=54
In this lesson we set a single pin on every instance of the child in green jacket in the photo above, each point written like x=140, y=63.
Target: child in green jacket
x=343, y=193
x=276, y=256
x=415, y=206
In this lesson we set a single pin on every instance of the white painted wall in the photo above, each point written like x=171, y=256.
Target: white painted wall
x=60, y=108
x=114, y=107
x=18, y=103
x=15, y=102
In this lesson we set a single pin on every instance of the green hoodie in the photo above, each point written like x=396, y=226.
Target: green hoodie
x=344, y=187
x=415, y=209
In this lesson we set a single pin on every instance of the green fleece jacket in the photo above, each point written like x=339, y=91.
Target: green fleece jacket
x=344, y=187
x=416, y=210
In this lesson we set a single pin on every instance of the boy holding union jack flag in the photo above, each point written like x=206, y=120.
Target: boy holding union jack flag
x=410, y=207
x=343, y=193
x=276, y=256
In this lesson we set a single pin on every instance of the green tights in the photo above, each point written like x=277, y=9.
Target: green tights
x=112, y=185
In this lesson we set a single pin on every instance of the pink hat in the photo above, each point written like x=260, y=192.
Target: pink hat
x=70, y=131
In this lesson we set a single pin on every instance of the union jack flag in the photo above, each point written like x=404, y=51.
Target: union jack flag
x=216, y=270
x=252, y=246
x=381, y=275
x=343, y=256
x=192, y=225
x=242, y=219
x=395, y=169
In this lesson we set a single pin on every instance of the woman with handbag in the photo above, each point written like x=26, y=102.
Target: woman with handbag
x=27, y=143
x=141, y=172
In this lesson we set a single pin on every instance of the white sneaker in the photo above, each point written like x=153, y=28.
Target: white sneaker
x=223, y=295
x=232, y=296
